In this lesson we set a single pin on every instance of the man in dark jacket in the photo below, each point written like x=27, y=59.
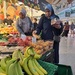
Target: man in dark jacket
x=49, y=29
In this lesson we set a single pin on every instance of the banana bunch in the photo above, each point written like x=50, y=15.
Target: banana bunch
x=8, y=64
x=31, y=52
x=3, y=64
x=2, y=74
x=1, y=70
x=18, y=54
x=14, y=68
x=32, y=67
x=30, y=63
x=10, y=67
x=18, y=62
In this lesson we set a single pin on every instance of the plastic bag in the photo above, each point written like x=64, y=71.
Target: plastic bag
x=23, y=36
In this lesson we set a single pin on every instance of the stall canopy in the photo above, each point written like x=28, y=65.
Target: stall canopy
x=35, y=4
x=55, y=2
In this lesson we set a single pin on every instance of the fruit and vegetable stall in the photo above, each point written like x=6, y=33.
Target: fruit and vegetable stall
x=19, y=56
x=22, y=57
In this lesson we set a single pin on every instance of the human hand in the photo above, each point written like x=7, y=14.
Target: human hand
x=53, y=21
x=57, y=25
x=34, y=32
x=35, y=35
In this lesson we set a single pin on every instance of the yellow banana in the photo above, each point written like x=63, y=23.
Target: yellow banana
x=37, y=69
x=19, y=69
x=40, y=67
x=8, y=64
x=25, y=66
x=15, y=54
x=31, y=67
x=2, y=74
x=0, y=62
x=1, y=70
x=15, y=68
x=3, y=64
x=20, y=55
x=4, y=61
x=7, y=59
x=29, y=51
x=37, y=56
x=11, y=70
x=26, y=54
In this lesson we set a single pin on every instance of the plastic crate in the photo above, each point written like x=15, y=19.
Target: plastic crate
x=64, y=70
x=48, y=56
x=50, y=68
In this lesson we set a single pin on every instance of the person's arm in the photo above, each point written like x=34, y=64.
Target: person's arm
x=18, y=27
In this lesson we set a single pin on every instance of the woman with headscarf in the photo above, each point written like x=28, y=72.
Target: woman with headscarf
x=24, y=24
x=49, y=30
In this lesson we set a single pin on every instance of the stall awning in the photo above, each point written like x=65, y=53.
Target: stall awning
x=35, y=4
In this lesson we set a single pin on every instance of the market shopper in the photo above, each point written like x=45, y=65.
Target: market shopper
x=66, y=29
x=50, y=30
x=24, y=24
x=72, y=27
x=8, y=20
x=34, y=24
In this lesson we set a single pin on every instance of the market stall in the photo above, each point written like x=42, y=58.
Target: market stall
x=11, y=44
x=25, y=56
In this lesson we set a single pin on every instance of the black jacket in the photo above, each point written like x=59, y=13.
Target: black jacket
x=47, y=29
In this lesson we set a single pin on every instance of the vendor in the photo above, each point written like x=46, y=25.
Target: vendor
x=24, y=24
x=50, y=30
x=8, y=20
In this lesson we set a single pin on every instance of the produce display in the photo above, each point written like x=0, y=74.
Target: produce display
x=25, y=53
x=19, y=64
x=15, y=41
x=18, y=41
x=4, y=29
x=41, y=46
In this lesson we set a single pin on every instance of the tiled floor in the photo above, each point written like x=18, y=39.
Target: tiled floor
x=67, y=52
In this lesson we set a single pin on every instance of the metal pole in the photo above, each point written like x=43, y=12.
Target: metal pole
x=4, y=7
